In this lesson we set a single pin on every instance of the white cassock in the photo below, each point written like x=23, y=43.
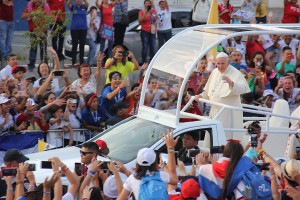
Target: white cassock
x=218, y=90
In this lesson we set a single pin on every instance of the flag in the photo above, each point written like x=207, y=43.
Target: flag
x=213, y=18
x=43, y=146
x=27, y=143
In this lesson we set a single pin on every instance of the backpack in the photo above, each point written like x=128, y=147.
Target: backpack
x=259, y=187
x=256, y=187
x=153, y=188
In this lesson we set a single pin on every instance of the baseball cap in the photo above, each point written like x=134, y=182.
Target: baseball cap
x=14, y=68
x=268, y=92
x=102, y=146
x=14, y=155
x=3, y=99
x=190, y=189
x=146, y=157
x=118, y=106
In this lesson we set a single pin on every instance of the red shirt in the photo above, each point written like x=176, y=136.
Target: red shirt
x=226, y=16
x=31, y=24
x=291, y=13
x=253, y=47
x=58, y=5
x=7, y=10
x=194, y=110
x=106, y=14
x=22, y=118
x=146, y=24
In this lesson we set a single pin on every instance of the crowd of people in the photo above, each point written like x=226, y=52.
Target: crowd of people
x=260, y=70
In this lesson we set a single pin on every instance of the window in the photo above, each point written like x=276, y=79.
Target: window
x=181, y=19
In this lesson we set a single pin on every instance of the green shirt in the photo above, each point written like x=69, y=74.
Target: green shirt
x=287, y=67
x=119, y=67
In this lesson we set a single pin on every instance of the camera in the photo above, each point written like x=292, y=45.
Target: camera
x=104, y=165
x=193, y=152
x=149, y=7
x=262, y=166
x=9, y=171
x=216, y=149
x=123, y=53
x=254, y=139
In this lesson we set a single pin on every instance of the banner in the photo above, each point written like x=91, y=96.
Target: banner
x=27, y=143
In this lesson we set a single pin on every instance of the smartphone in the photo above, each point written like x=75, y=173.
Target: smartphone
x=37, y=114
x=291, y=56
x=31, y=167
x=74, y=101
x=262, y=166
x=46, y=165
x=78, y=169
x=216, y=149
x=149, y=7
x=298, y=153
x=58, y=73
x=104, y=165
x=31, y=79
x=9, y=171
x=254, y=139
x=164, y=158
x=28, y=123
x=193, y=152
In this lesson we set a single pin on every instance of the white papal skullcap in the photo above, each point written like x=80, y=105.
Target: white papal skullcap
x=222, y=55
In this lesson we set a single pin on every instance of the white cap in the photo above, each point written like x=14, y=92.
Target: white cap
x=146, y=157
x=222, y=55
x=3, y=99
x=110, y=186
x=30, y=101
x=268, y=92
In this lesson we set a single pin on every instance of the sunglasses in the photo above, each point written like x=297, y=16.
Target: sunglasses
x=85, y=153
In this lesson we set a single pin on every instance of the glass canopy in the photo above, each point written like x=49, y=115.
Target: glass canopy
x=177, y=59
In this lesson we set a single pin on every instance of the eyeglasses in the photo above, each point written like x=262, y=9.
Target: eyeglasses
x=85, y=153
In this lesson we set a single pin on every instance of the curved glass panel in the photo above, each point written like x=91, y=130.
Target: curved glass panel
x=125, y=139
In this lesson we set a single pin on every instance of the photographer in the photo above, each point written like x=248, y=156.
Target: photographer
x=119, y=62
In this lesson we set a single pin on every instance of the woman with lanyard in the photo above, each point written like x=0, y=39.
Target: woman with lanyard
x=121, y=10
x=147, y=19
x=113, y=93
x=91, y=116
x=106, y=26
x=78, y=28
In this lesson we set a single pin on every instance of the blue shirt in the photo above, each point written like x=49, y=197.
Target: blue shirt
x=79, y=17
x=240, y=66
x=91, y=118
x=105, y=103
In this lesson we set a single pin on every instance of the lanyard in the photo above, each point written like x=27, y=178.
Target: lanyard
x=95, y=116
x=119, y=97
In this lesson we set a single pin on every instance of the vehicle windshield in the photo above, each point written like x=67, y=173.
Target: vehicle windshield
x=125, y=139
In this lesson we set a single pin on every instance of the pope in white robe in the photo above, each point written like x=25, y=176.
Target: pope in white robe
x=225, y=85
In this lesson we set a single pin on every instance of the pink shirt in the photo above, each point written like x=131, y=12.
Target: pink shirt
x=146, y=24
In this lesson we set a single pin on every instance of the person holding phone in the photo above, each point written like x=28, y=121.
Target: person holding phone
x=285, y=65
x=106, y=27
x=93, y=21
x=147, y=19
x=120, y=63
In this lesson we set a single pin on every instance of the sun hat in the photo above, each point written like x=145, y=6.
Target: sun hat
x=290, y=168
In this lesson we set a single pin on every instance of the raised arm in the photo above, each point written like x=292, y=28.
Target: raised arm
x=133, y=59
x=100, y=57
x=69, y=4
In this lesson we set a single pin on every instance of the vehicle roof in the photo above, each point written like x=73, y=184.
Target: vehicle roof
x=180, y=55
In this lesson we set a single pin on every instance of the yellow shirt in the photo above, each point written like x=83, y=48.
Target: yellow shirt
x=119, y=67
x=261, y=8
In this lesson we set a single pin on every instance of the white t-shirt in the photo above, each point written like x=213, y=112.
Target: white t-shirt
x=291, y=100
x=156, y=99
x=89, y=87
x=163, y=19
x=55, y=138
x=9, y=124
x=91, y=33
x=6, y=72
x=75, y=123
x=242, y=48
x=293, y=45
x=133, y=185
x=55, y=84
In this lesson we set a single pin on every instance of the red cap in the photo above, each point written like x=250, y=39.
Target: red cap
x=101, y=144
x=190, y=189
x=16, y=66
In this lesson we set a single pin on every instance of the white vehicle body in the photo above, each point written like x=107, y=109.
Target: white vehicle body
x=178, y=59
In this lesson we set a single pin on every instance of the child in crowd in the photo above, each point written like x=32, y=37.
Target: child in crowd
x=57, y=122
